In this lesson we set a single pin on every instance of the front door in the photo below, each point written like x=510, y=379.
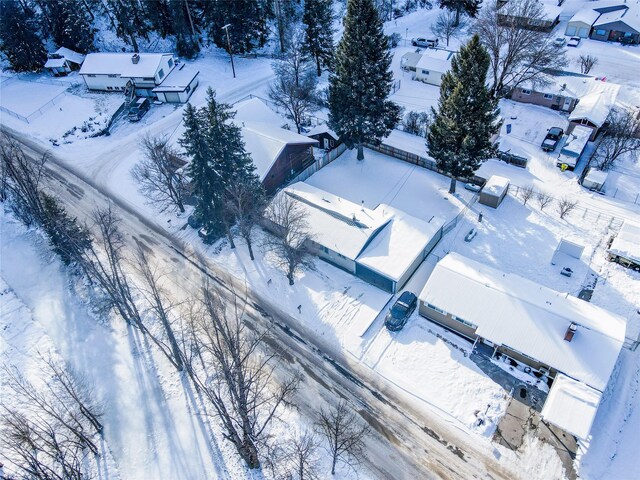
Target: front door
x=567, y=104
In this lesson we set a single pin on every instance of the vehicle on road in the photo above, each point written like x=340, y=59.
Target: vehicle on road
x=424, y=42
x=552, y=139
x=138, y=109
x=559, y=41
x=573, y=42
x=472, y=187
x=401, y=311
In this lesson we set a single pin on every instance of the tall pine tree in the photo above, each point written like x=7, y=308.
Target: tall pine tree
x=318, y=21
x=69, y=24
x=19, y=37
x=359, y=86
x=218, y=159
x=460, y=137
x=248, y=20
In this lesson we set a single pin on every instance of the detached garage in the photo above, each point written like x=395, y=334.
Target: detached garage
x=178, y=86
x=494, y=191
x=580, y=24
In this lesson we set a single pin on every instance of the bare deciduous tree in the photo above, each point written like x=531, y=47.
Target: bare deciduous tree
x=103, y=263
x=244, y=204
x=543, y=199
x=619, y=138
x=22, y=178
x=565, y=206
x=586, y=63
x=160, y=305
x=302, y=453
x=517, y=54
x=294, y=89
x=345, y=435
x=445, y=25
x=234, y=373
x=527, y=193
x=288, y=221
x=158, y=175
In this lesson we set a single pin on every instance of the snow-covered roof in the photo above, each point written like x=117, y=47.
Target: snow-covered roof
x=627, y=243
x=576, y=140
x=596, y=104
x=394, y=249
x=585, y=15
x=435, y=60
x=551, y=10
x=255, y=110
x=265, y=141
x=530, y=318
x=55, y=63
x=629, y=14
x=566, y=84
x=121, y=64
x=336, y=223
x=571, y=406
x=596, y=176
x=177, y=80
x=70, y=55
x=496, y=185
x=410, y=59
x=322, y=128
x=511, y=145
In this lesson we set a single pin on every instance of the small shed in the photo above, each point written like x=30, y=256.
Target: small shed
x=64, y=61
x=625, y=247
x=594, y=180
x=433, y=65
x=494, y=191
x=322, y=133
x=574, y=250
x=580, y=24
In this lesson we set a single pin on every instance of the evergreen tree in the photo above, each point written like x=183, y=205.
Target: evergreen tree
x=358, y=88
x=218, y=159
x=19, y=37
x=318, y=21
x=128, y=20
x=468, y=7
x=460, y=136
x=248, y=20
x=69, y=24
x=67, y=237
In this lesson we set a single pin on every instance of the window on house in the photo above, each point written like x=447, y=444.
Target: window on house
x=425, y=72
x=601, y=32
x=548, y=96
x=464, y=322
x=109, y=88
x=170, y=62
x=439, y=310
x=526, y=92
x=188, y=89
x=112, y=75
x=92, y=76
x=148, y=79
x=160, y=73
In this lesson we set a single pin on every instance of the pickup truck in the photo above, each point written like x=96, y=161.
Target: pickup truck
x=552, y=139
x=424, y=42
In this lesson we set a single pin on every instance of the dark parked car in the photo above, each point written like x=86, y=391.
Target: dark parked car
x=401, y=311
x=138, y=109
x=574, y=42
x=424, y=42
x=552, y=139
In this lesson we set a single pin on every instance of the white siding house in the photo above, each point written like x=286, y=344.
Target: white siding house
x=112, y=71
x=432, y=65
x=178, y=86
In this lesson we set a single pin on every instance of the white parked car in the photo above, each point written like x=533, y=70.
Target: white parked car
x=559, y=41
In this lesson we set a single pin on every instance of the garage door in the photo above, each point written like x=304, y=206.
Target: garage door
x=374, y=278
x=172, y=97
x=583, y=32
x=571, y=30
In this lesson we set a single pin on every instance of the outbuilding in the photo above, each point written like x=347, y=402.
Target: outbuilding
x=593, y=109
x=178, y=86
x=64, y=61
x=433, y=64
x=625, y=247
x=494, y=191
x=594, y=180
x=580, y=24
x=327, y=138
x=620, y=24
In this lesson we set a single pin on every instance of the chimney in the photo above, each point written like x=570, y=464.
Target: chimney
x=571, y=331
x=135, y=58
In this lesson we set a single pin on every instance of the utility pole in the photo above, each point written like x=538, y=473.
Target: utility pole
x=226, y=29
